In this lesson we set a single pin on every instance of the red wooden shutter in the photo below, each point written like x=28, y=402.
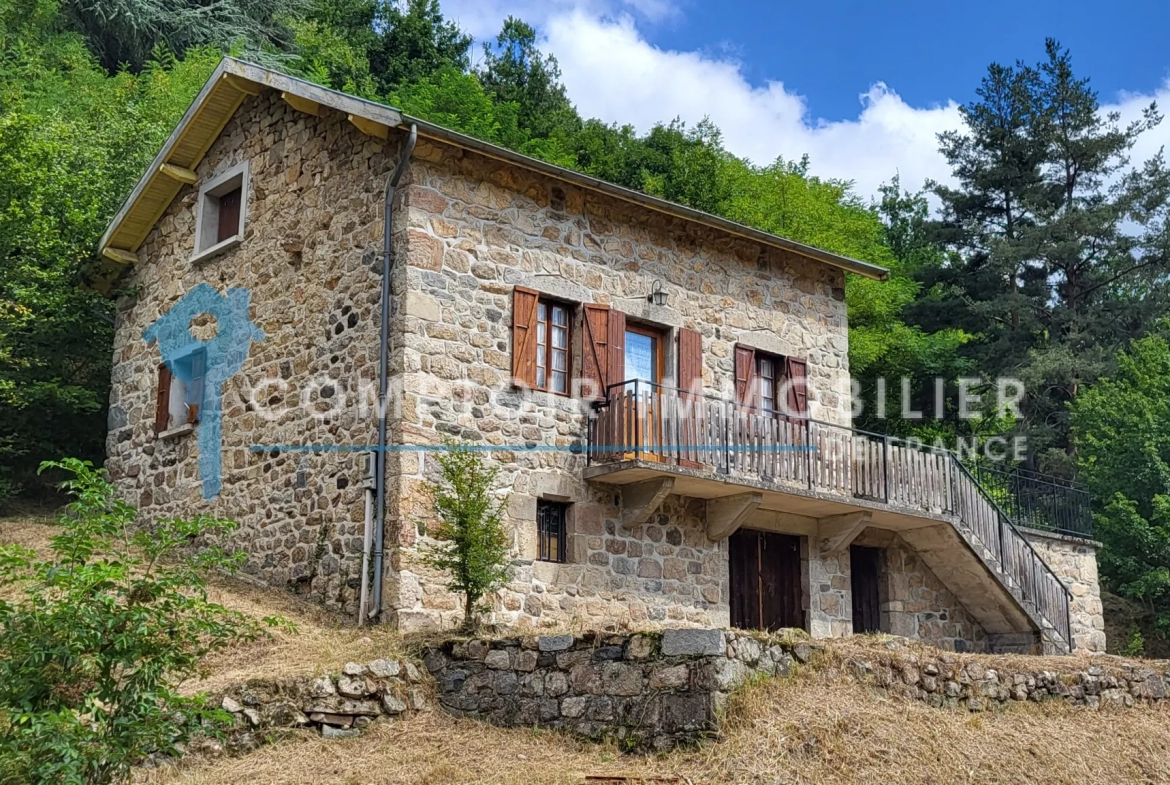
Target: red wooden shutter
x=690, y=379
x=229, y=215
x=617, y=347
x=524, y=336
x=745, y=374
x=595, y=347
x=162, y=402
x=690, y=360
x=797, y=371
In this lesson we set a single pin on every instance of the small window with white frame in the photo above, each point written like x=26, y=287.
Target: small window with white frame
x=221, y=212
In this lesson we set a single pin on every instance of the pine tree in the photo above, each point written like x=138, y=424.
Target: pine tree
x=1058, y=250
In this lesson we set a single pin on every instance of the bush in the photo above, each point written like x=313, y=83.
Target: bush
x=96, y=638
x=474, y=548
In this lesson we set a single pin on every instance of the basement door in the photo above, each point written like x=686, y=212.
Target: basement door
x=766, y=587
x=865, y=566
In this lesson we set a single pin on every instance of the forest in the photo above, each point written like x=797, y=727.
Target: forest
x=1045, y=259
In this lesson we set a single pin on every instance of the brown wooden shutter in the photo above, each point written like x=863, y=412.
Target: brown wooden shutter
x=690, y=360
x=595, y=347
x=745, y=374
x=796, y=372
x=229, y=215
x=690, y=380
x=524, y=335
x=162, y=402
x=617, y=347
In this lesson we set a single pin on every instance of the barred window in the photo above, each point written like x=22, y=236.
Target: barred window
x=550, y=528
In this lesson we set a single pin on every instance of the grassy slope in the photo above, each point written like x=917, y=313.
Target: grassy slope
x=809, y=729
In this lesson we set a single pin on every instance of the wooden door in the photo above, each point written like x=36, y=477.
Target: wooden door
x=866, y=582
x=766, y=587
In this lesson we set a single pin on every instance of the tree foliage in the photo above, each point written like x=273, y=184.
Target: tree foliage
x=98, y=636
x=473, y=547
x=1122, y=427
x=1058, y=245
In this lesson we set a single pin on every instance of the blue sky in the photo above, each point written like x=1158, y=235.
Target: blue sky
x=929, y=51
x=862, y=88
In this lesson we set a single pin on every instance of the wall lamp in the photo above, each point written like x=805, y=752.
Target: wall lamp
x=657, y=296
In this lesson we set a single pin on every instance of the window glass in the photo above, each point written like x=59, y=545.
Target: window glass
x=552, y=347
x=641, y=357
x=550, y=528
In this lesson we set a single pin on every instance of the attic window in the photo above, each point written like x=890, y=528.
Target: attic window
x=221, y=213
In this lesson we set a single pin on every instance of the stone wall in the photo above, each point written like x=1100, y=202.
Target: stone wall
x=920, y=607
x=336, y=706
x=653, y=690
x=1074, y=560
x=478, y=228
x=658, y=690
x=309, y=259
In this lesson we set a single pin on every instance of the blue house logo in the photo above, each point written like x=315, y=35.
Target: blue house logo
x=203, y=366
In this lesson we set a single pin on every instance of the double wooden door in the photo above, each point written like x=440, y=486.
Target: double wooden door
x=766, y=586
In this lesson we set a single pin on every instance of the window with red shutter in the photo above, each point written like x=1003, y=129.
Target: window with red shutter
x=162, y=401
x=595, y=348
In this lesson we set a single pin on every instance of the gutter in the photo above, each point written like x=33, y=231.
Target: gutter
x=379, y=533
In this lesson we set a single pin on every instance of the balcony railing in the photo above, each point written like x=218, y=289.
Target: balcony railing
x=1035, y=500
x=649, y=422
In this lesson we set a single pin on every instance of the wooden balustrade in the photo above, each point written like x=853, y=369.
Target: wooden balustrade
x=652, y=423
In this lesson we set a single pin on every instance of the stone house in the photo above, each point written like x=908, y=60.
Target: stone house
x=665, y=392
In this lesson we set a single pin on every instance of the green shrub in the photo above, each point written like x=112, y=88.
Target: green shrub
x=97, y=636
x=473, y=548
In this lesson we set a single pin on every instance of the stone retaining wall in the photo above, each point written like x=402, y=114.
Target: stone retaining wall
x=336, y=706
x=657, y=690
x=652, y=690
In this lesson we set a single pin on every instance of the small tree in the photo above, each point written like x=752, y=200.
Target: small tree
x=474, y=547
x=96, y=638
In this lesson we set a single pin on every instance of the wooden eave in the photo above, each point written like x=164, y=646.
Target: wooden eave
x=233, y=81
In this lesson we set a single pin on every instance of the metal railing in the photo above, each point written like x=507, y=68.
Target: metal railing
x=1036, y=500
x=643, y=421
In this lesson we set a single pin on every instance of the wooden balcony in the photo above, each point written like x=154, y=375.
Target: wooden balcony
x=661, y=440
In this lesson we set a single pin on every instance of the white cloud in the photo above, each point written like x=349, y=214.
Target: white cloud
x=612, y=72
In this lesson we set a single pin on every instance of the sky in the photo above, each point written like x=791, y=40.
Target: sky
x=863, y=88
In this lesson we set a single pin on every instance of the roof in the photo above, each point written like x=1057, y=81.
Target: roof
x=234, y=80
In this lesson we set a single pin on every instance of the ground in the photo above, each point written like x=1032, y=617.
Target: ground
x=811, y=728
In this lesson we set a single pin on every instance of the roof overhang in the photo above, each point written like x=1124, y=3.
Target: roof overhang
x=234, y=80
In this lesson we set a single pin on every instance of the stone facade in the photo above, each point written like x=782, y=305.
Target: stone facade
x=1074, y=560
x=468, y=230
x=309, y=259
x=477, y=229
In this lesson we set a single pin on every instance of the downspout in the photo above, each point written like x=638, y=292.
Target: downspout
x=384, y=369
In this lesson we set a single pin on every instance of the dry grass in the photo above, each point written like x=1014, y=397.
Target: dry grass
x=803, y=730
x=812, y=728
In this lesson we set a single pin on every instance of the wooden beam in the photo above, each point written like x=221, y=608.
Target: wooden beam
x=836, y=532
x=642, y=499
x=179, y=173
x=726, y=515
x=245, y=86
x=305, y=105
x=369, y=127
x=120, y=255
